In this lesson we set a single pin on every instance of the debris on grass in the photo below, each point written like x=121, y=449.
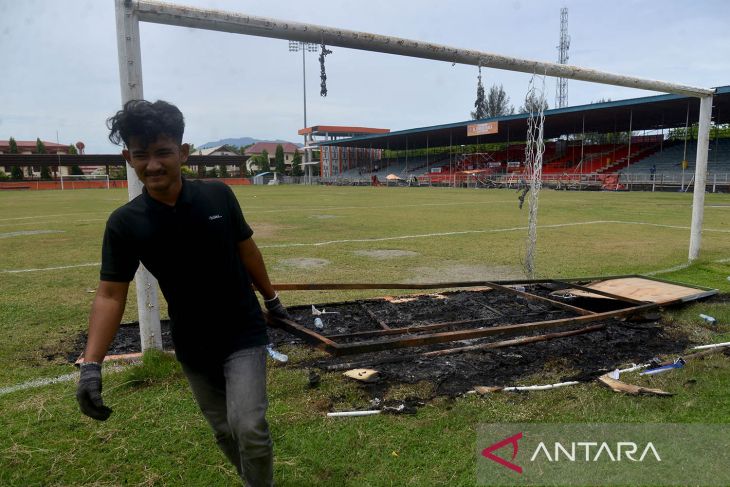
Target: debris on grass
x=363, y=375
x=713, y=345
x=487, y=389
x=677, y=364
x=634, y=390
x=278, y=356
x=316, y=312
x=313, y=379
x=342, y=414
x=709, y=319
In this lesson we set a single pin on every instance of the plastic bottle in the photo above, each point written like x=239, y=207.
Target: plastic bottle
x=318, y=323
x=278, y=356
x=708, y=319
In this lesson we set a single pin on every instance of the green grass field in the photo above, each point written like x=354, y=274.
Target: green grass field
x=318, y=234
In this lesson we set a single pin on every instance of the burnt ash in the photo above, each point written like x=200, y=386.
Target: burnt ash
x=580, y=357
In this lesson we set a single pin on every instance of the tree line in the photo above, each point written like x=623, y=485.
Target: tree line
x=16, y=172
x=496, y=103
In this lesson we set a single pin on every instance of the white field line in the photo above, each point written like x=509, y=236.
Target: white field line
x=35, y=383
x=334, y=208
x=57, y=222
x=467, y=232
x=424, y=235
x=19, y=271
x=679, y=267
x=23, y=233
x=48, y=216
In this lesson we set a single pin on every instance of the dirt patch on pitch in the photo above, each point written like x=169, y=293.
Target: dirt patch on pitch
x=463, y=272
x=266, y=230
x=385, y=254
x=323, y=217
x=304, y=263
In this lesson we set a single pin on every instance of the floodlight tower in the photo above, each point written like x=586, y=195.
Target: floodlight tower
x=305, y=47
x=561, y=88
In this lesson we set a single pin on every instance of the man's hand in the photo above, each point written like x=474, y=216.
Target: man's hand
x=88, y=392
x=276, y=309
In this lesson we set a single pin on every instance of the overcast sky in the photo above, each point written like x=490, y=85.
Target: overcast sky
x=60, y=73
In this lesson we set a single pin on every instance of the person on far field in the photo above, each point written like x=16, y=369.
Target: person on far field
x=192, y=236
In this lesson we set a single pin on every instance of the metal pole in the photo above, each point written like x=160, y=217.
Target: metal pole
x=631, y=120
x=698, y=200
x=238, y=23
x=304, y=92
x=582, y=145
x=304, y=82
x=130, y=74
x=428, y=164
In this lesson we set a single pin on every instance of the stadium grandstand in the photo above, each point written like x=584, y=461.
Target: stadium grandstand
x=587, y=146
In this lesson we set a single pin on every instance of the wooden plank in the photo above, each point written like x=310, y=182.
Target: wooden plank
x=641, y=289
x=599, y=292
x=344, y=286
x=485, y=346
x=406, y=329
x=370, y=313
x=515, y=341
x=374, y=346
x=446, y=285
x=540, y=299
x=309, y=336
x=441, y=285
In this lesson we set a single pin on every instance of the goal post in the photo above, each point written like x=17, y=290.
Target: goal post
x=84, y=181
x=129, y=13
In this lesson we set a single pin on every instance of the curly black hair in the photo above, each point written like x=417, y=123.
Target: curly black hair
x=147, y=121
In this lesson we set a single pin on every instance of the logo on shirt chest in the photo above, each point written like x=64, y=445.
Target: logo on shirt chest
x=214, y=217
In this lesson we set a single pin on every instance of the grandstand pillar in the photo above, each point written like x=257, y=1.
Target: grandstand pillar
x=130, y=76
x=698, y=201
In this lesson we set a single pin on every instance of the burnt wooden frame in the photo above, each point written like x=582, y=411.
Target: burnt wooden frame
x=390, y=339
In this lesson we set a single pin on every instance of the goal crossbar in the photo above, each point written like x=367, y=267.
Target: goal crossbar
x=241, y=23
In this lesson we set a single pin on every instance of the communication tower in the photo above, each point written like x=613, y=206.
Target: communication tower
x=561, y=88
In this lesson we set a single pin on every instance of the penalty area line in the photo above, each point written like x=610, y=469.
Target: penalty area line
x=19, y=271
x=47, y=381
x=472, y=232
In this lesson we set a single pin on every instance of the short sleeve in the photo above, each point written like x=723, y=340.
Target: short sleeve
x=118, y=260
x=241, y=230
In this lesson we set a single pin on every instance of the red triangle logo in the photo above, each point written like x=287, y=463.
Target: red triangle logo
x=487, y=452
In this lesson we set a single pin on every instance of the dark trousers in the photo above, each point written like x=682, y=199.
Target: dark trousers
x=234, y=403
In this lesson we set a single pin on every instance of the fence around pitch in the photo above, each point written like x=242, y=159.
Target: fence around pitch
x=32, y=184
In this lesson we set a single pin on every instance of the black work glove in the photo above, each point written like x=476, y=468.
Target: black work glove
x=88, y=392
x=275, y=308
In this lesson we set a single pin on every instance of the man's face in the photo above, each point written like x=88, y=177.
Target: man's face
x=158, y=164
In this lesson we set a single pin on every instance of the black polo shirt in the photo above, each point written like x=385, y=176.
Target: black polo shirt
x=191, y=248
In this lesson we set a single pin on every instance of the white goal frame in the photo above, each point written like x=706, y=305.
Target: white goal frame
x=71, y=178
x=129, y=13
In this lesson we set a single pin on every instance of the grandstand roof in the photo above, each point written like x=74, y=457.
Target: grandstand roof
x=646, y=113
x=341, y=130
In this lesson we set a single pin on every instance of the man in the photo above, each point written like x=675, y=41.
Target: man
x=193, y=238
